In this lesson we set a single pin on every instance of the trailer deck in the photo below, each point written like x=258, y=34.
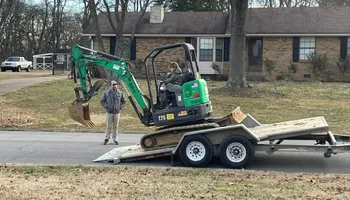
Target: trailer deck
x=291, y=128
x=262, y=137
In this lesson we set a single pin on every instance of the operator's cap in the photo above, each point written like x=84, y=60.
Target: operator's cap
x=113, y=83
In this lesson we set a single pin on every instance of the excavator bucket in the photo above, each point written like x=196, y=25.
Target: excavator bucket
x=81, y=114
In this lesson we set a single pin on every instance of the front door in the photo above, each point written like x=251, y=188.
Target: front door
x=255, y=55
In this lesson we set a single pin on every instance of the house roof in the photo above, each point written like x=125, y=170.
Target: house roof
x=259, y=21
x=305, y=20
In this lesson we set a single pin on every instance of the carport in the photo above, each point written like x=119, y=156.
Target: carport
x=58, y=61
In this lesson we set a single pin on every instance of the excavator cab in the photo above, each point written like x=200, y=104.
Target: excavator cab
x=186, y=104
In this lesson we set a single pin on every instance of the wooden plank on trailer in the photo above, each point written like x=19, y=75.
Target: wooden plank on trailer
x=291, y=128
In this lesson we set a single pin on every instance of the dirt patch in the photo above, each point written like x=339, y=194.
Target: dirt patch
x=11, y=116
x=11, y=122
x=58, y=182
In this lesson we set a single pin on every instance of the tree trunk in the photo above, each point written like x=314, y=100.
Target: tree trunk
x=120, y=10
x=237, y=76
x=103, y=72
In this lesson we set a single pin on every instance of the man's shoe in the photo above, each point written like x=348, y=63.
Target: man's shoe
x=106, y=141
x=116, y=142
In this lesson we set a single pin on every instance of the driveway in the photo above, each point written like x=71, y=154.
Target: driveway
x=11, y=84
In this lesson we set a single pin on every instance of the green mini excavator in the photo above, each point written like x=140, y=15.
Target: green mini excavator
x=171, y=111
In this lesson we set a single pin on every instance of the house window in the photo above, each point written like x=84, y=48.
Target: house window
x=206, y=49
x=307, y=47
x=219, y=48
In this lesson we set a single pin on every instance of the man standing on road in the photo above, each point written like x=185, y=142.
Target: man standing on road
x=113, y=101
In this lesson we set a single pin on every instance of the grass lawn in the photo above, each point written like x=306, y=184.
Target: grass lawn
x=121, y=182
x=49, y=103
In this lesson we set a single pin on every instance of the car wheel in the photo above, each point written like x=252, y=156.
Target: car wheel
x=19, y=69
x=196, y=151
x=2, y=69
x=28, y=68
x=236, y=152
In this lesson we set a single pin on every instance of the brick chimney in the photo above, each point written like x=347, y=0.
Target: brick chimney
x=157, y=13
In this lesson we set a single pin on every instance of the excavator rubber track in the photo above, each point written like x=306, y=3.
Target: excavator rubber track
x=169, y=137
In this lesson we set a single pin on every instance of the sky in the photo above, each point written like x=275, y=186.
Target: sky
x=71, y=5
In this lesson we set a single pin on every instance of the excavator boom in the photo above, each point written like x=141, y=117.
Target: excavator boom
x=79, y=110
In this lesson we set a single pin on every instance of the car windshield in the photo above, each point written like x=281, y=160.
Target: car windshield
x=13, y=59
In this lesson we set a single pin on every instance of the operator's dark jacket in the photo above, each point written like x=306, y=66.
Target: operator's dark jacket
x=113, y=101
x=174, y=77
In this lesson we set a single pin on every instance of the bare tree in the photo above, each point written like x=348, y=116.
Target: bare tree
x=237, y=76
x=28, y=29
x=57, y=12
x=284, y=3
x=137, y=5
x=325, y=3
x=119, y=15
x=117, y=20
x=93, y=11
x=85, y=20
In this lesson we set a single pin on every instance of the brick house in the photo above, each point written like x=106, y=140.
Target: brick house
x=284, y=35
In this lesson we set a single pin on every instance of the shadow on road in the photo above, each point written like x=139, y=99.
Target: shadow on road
x=279, y=162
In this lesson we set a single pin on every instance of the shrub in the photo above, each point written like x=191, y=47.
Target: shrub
x=138, y=65
x=319, y=63
x=293, y=68
x=270, y=66
x=343, y=65
x=215, y=67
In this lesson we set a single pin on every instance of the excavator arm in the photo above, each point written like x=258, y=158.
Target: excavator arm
x=79, y=110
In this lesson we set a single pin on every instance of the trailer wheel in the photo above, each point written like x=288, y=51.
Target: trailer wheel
x=236, y=152
x=196, y=151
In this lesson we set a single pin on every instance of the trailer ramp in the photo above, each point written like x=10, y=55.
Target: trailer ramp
x=130, y=153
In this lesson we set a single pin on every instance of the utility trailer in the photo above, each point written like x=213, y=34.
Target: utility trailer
x=236, y=142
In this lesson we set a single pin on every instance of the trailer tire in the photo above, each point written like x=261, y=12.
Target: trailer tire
x=236, y=152
x=196, y=151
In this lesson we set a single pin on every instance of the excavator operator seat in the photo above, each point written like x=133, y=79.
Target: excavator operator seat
x=187, y=76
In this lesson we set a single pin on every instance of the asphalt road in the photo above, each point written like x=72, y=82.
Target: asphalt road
x=82, y=148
